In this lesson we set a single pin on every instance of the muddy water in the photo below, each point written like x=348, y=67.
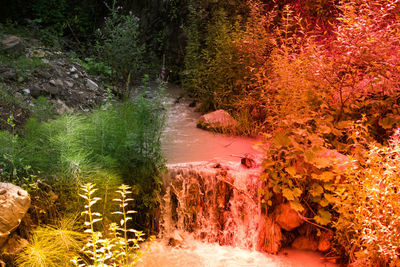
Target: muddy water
x=199, y=254
x=182, y=143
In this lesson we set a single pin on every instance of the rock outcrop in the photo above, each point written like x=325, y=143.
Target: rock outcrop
x=12, y=44
x=14, y=203
x=47, y=73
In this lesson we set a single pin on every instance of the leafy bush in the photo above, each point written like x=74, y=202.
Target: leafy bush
x=120, y=46
x=368, y=226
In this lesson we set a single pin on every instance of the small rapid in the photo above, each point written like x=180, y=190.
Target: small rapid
x=211, y=215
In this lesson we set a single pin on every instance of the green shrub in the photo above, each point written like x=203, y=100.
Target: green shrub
x=120, y=47
x=368, y=225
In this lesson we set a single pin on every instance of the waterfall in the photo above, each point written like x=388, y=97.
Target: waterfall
x=215, y=203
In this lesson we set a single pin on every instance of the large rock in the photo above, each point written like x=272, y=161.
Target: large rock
x=324, y=243
x=286, y=217
x=91, y=85
x=13, y=44
x=341, y=162
x=14, y=203
x=216, y=120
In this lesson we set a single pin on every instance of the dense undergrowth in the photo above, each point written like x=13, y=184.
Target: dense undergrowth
x=114, y=144
x=325, y=96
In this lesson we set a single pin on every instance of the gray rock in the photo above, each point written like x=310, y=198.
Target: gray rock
x=13, y=44
x=43, y=74
x=57, y=82
x=217, y=119
x=286, y=217
x=91, y=85
x=69, y=84
x=26, y=91
x=36, y=91
x=73, y=69
x=75, y=76
x=9, y=75
x=21, y=79
x=19, y=96
x=305, y=243
x=53, y=90
x=14, y=203
x=61, y=107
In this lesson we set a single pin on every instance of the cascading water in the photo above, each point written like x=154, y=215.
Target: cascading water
x=211, y=215
x=214, y=203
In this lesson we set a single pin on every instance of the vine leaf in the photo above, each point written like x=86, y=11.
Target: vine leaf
x=324, y=217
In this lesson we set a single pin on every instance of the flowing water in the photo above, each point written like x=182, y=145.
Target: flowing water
x=210, y=213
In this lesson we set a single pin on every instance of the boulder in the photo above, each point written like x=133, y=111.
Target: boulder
x=342, y=162
x=305, y=243
x=13, y=44
x=215, y=120
x=14, y=203
x=57, y=82
x=51, y=89
x=36, y=90
x=175, y=240
x=91, y=85
x=286, y=217
x=14, y=245
x=324, y=243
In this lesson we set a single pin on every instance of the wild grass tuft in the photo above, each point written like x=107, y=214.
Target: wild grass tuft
x=52, y=245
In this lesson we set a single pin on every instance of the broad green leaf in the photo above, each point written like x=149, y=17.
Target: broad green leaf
x=281, y=139
x=322, y=162
x=310, y=156
x=316, y=190
x=297, y=192
x=288, y=194
x=326, y=176
x=388, y=122
x=323, y=202
x=329, y=197
x=324, y=217
x=291, y=170
x=329, y=186
x=344, y=124
x=296, y=206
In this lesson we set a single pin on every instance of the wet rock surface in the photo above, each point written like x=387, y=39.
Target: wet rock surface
x=286, y=217
x=14, y=203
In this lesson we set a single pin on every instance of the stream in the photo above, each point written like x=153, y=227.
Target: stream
x=195, y=230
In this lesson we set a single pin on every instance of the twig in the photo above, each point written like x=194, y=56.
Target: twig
x=239, y=190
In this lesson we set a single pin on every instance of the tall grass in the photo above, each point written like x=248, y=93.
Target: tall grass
x=109, y=146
